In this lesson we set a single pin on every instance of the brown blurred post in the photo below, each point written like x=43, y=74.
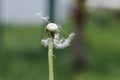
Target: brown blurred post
x=118, y=15
x=79, y=15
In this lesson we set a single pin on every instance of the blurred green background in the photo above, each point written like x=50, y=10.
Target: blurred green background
x=95, y=22
x=22, y=57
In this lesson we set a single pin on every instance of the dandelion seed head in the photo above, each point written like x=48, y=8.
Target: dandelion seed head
x=52, y=27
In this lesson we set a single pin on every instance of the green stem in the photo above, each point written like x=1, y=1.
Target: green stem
x=50, y=59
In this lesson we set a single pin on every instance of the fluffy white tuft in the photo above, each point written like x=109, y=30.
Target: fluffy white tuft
x=45, y=42
x=59, y=43
x=63, y=42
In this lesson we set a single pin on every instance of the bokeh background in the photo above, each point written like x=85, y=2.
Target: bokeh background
x=93, y=55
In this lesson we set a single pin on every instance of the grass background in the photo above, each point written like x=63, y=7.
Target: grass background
x=22, y=57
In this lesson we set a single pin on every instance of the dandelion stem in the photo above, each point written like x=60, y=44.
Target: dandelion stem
x=50, y=59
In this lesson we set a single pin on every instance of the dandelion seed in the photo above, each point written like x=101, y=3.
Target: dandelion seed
x=42, y=17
